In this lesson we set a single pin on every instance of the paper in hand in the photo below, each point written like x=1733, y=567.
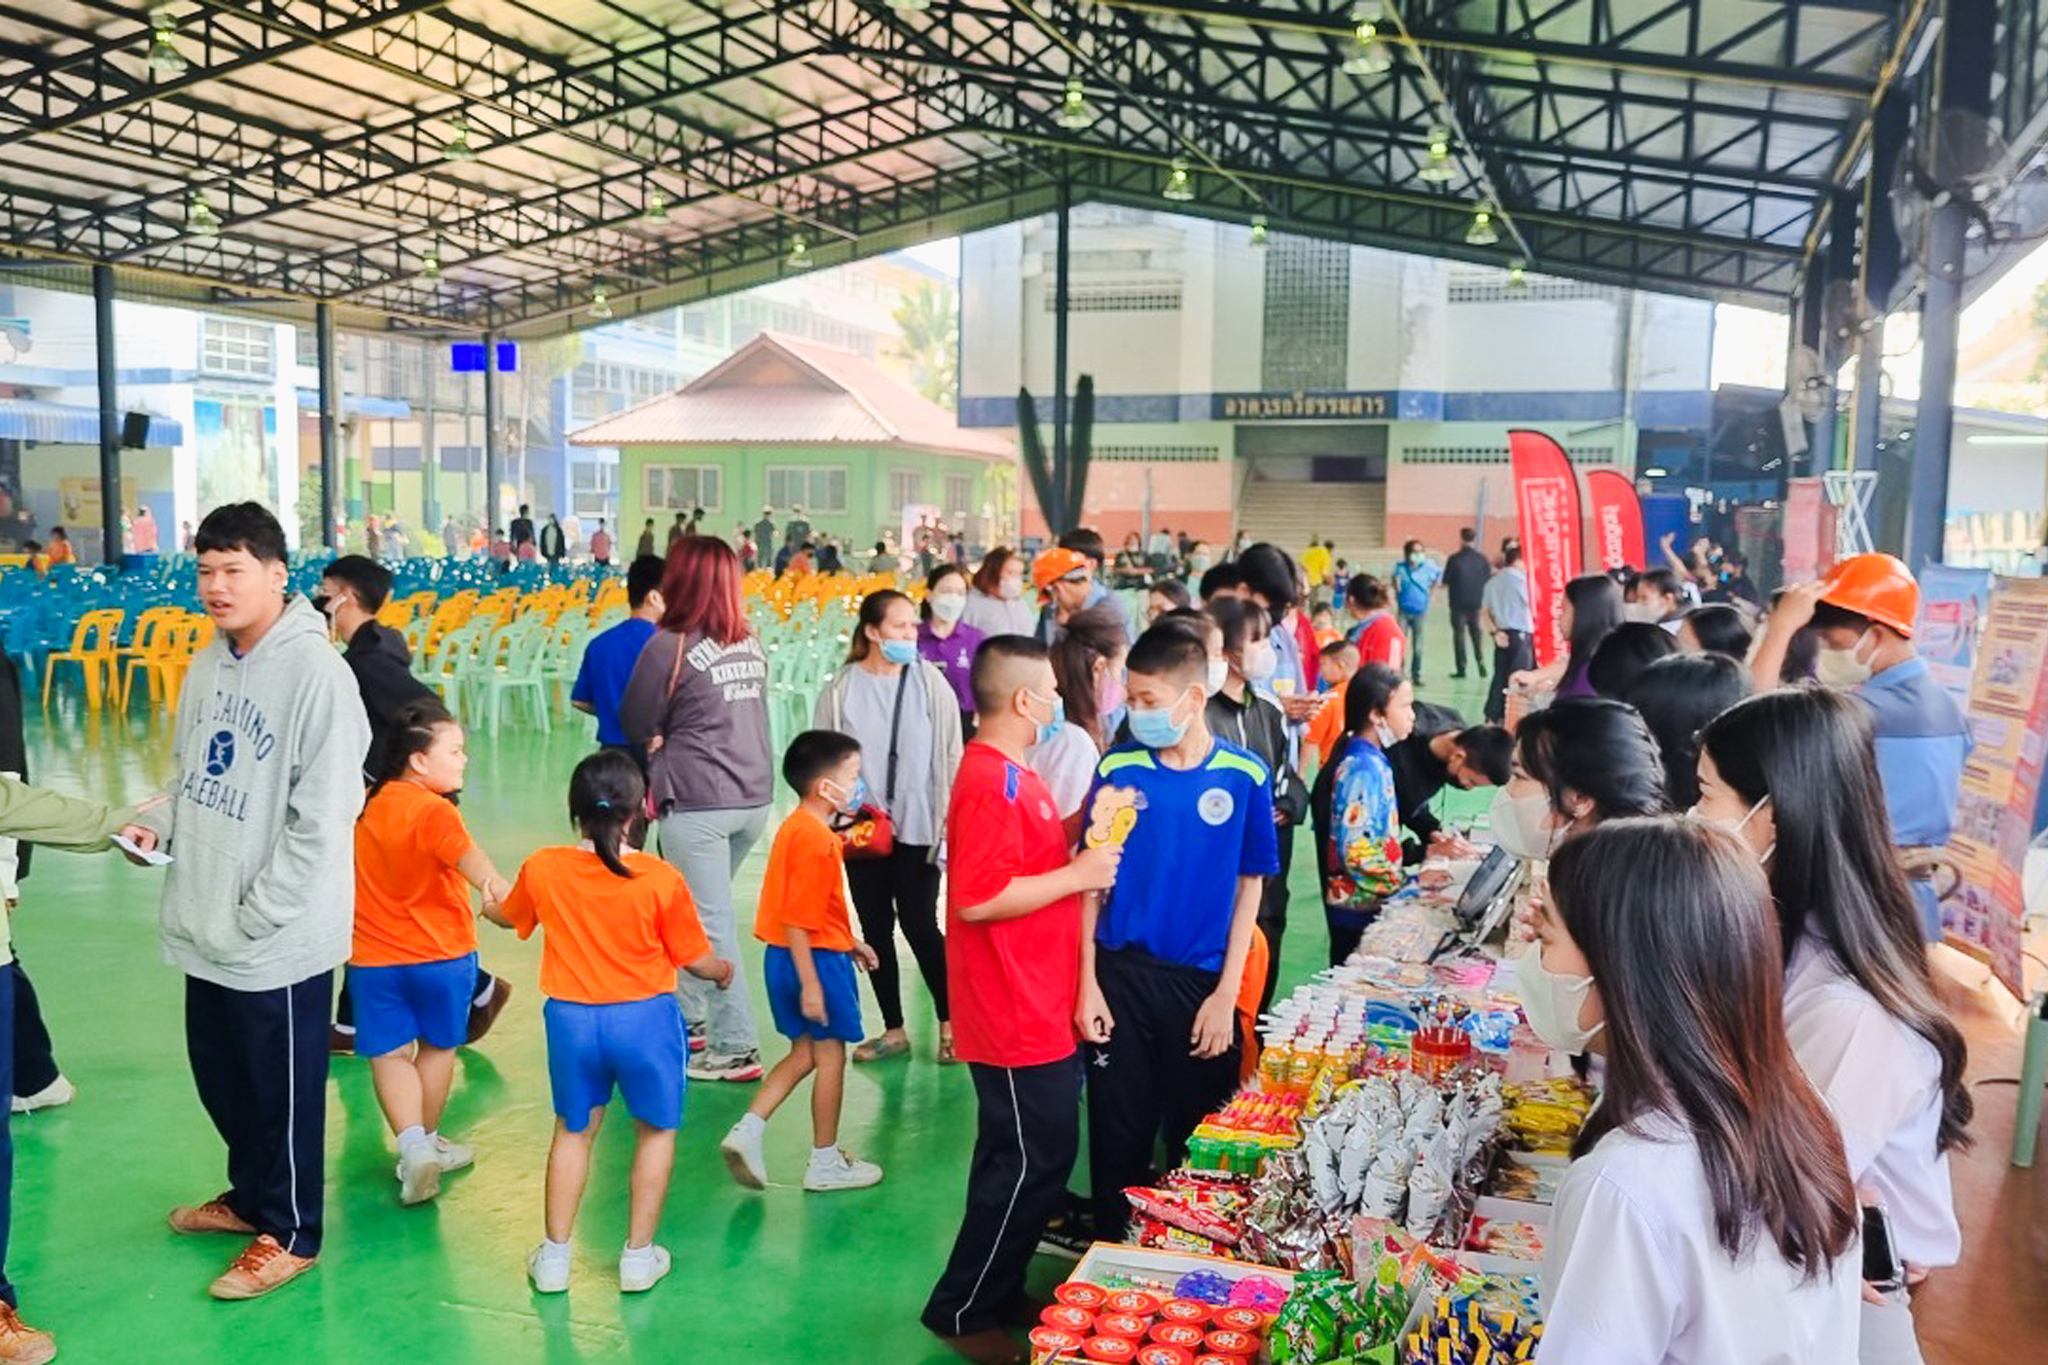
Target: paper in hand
x=134, y=850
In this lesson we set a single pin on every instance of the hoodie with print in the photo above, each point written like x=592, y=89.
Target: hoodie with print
x=261, y=820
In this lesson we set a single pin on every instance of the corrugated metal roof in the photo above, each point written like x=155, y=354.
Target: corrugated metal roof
x=781, y=390
x=35, y=419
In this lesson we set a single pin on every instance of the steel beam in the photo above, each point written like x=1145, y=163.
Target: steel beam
x=494, y=440
x=110, y=413
x=328, y=364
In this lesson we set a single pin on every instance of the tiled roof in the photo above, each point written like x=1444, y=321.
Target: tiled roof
x=781, y=390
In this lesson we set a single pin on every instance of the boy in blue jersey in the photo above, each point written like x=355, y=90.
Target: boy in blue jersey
x=1163, y=951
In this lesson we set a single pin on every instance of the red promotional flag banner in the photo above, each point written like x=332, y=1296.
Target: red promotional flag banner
x=1616, y=517
x=1547, y=504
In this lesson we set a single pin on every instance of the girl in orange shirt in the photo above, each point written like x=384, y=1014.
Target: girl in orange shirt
x=619, y=924
x=415, y=937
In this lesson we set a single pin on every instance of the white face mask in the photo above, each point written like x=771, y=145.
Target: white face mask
x=1522, y=824
x=1384, y=734
x=948, y=606
x=1844, y=668
x=1742, y=824
x=1011, y=589
x=1554, y=1003
x=1259, y=663
x=1645, y=612
x=1219, y=673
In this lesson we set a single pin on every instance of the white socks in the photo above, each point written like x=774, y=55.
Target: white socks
x=553, y=1251
x=825, y=1156
x=414, y=1139
x=751, y=1124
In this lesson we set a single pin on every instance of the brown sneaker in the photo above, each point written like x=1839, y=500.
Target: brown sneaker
x=992, y=1347
x=21, y=1344
x=212, y=1216
x=481, y=1017
x=262, y=1267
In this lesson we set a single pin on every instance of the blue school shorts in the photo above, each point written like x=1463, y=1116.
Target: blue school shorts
x=424, y=1000
x=635, y=1045
x=836, y=977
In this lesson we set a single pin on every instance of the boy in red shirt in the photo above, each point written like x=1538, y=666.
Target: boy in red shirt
x=808, y=966
x=1013, y=946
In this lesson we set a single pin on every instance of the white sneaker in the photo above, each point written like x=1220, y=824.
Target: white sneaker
x=59, y=1091
x=643, y=1268
x=419, y=1174
x=743, y=1155
x=550, y=1274
x=453, y=1156
x=841, y=1172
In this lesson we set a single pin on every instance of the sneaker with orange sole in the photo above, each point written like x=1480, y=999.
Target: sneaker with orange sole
x=212, y=1216
x=21, y=1344
x=264, y=1265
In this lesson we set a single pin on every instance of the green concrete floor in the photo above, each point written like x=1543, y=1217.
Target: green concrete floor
x=780, y=1276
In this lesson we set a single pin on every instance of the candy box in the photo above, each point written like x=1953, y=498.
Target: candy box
x=1487, y=1212
x=1116, y=1267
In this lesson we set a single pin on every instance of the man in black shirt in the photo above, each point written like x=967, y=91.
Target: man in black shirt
x=353, y=590
x=522, y=529
x=1465, y=575
x=1439, y=752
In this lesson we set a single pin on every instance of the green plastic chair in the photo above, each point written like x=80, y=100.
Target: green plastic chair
x=521, y=674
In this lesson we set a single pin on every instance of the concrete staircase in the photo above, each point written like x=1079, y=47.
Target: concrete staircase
x=1288, y=512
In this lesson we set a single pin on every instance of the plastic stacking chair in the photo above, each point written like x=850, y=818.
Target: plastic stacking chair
x=450, y=657
x=156, y=640
x=92, y=648
x=520, y=673
x=194, y=634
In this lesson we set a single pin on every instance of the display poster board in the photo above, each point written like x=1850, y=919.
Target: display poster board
x=1953, y=603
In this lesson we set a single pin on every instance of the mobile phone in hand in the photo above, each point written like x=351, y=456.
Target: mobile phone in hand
x=1882, y=1268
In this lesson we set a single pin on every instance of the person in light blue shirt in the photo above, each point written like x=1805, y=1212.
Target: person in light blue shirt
x=1415, y=578
x=1863, y=613
x=609, y=657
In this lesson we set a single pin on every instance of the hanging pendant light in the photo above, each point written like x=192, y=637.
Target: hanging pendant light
x=164, y=58
x=657, y=208
x=457, y=148
x=800, y=254
x=1518, y=281
x=910, y=6
x=1439, y=168
x=600, y=303
x=1075, y=111
x=1258, y=230
x=1482, y=231
x=1369, y=53
x=1180, y=183
x=200, y=220
x=430, y=264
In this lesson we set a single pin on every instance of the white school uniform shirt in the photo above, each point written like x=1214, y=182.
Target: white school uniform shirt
x=1635, y=1275
x=1883, y=1082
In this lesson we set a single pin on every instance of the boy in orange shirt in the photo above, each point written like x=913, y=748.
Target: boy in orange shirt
x=415, y=938
x=619, y=924
x=809, y=965
x=1338, y=662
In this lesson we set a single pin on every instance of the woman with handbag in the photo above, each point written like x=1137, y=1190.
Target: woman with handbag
x=907, y=719
x=697, y=702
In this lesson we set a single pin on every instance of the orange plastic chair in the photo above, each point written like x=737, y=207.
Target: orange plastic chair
x=92, y=648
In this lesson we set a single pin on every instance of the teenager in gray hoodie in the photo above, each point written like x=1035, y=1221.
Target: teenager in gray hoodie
x=259, y=903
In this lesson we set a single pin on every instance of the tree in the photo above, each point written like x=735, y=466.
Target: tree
x=1061, y=493
x=929, y=324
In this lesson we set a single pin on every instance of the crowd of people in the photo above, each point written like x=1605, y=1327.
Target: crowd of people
x=1079, y=810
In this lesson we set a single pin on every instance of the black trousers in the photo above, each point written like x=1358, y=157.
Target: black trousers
x=1027, y=1133
x=1464, y=626
x=1519, y=653
x=35, y=1059
x=1145, y=1085
x=1273, y=900
x=259, y=1059
x=902, y=888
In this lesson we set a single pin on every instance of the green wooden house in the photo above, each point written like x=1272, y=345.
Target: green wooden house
x=789, y=424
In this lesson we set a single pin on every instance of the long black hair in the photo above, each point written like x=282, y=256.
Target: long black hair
x=411, y=732
x=1675, y=921
x=604, y=792
x=1369, y=692
x=1270, y=572
x=1242, y=622
x=874, y=610
x=1675, y=697
x=1720, y=629
x=1835, y=872
x=1096, y=633
x=1596, y=611
x=1621, y=658
x=1598, y=748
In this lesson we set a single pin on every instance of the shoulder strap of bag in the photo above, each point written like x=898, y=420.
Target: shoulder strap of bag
x=895, y=727
x=675, y=671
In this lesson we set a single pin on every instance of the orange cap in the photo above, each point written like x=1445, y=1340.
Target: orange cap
x=1877, y=586
x=1055, y=564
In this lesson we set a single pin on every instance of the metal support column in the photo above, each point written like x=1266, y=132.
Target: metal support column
x=494, y=455
x=1868, y=415
x=1966, y=60
x=330, y=423
x=1062, y=517
x=110, y=414
x=430, y=447
x=1840, y=268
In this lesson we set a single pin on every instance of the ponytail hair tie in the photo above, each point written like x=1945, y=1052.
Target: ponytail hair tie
x=603, y=804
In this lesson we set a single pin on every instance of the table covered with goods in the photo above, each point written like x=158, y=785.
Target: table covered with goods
x=1378, y=1191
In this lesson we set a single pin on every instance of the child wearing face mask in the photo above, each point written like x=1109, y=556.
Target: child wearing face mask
x=1358, y=816
x=1240, y=715
x=1164, y=953
x=808, y=966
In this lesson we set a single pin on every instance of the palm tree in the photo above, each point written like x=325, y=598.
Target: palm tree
x=929, y=324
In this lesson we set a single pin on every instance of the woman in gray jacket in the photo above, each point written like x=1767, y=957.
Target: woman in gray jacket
x=907, y=720
x=696, y=703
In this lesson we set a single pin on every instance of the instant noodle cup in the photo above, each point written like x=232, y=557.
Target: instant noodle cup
x=1067, y=1318
x=1159, y=1353
x=1051, y=1341
x=1185, y=1334
x=1225, y=1342
x=1185, y=1310
x=1081, y=1294
x=1135, y=1301
x=1129, y=1326
x=1240, y=1319
x=1110, y=1350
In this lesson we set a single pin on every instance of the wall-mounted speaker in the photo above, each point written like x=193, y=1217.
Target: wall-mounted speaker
x=135, y=430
